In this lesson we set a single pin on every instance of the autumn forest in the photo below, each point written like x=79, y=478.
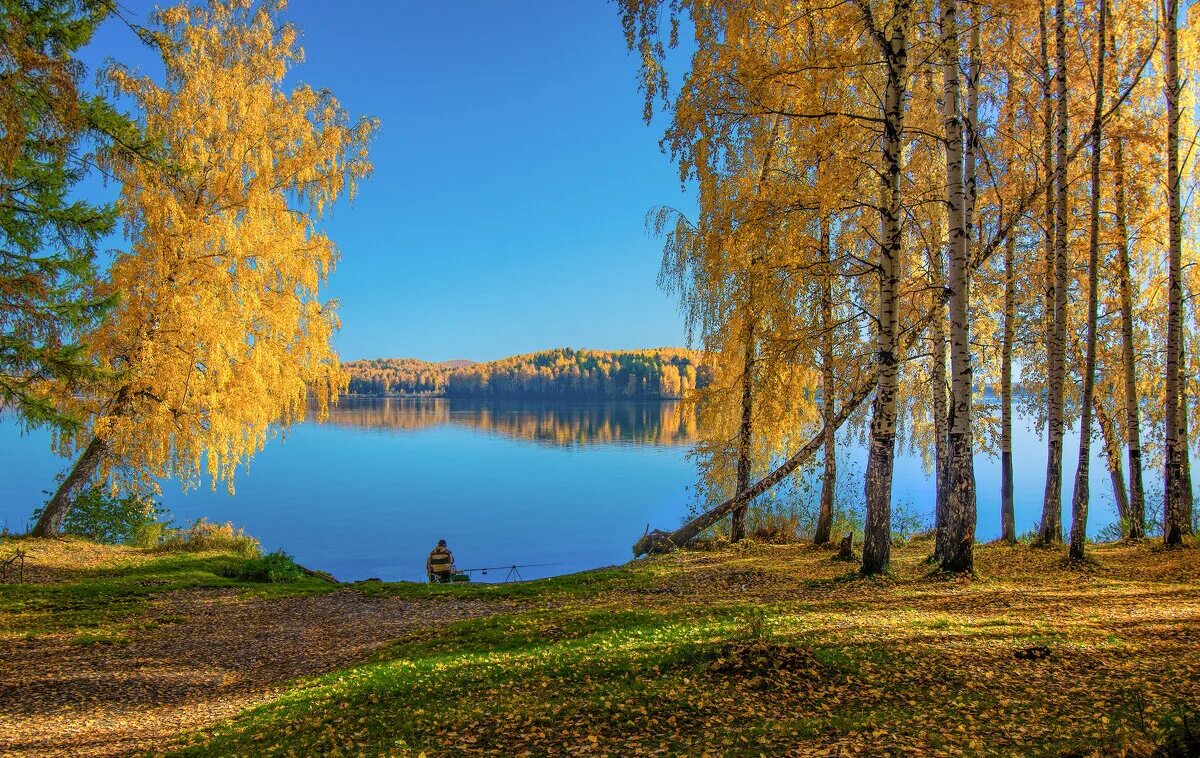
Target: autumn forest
x=903, y=205
x=636, y=375
x=959, y=232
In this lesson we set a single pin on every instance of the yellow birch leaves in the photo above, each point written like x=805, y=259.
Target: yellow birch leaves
x=221, y=337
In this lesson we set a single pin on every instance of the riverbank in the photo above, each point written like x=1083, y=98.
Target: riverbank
x=763, y=649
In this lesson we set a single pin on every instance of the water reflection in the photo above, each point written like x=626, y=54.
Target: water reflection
x=557, y=424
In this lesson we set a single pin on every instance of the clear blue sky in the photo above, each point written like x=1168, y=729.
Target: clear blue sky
x=512, y=177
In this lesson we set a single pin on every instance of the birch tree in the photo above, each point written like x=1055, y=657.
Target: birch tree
x=1177, y=494
x=1080, y=493
x=220, y=336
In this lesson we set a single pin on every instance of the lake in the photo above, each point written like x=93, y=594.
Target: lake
x=569, y=486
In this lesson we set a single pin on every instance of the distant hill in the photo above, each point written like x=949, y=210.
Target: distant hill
x=661, y=373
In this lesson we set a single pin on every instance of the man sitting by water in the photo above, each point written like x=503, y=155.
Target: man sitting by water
x=440, y=563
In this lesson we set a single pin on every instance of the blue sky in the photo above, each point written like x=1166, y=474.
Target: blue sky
x=513, y=174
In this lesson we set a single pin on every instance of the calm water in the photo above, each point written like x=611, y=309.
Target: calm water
x=568, y=484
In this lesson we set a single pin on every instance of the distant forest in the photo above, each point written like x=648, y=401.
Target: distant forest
x=660, y=374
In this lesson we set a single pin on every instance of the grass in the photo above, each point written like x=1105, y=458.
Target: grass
x=622, y=662
x=748, y=651
x=97, y=639
x=102, y=599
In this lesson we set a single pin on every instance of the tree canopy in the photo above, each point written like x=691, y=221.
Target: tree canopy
x=48, y=237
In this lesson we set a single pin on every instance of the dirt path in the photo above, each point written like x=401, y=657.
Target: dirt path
x=86, y=700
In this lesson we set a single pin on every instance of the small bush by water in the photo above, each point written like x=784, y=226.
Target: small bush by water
x=273, y=568
x=109, y=519
x=205, y=535
x=136, y=520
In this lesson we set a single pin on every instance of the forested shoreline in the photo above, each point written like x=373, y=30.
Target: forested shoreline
x=564, y=373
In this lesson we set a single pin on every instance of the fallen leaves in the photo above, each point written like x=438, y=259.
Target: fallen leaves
x=197, y=656
x=670, y=657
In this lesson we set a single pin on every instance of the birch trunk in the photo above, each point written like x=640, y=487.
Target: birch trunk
x=737, y=530
x=1111, y=442
x=1080, y=495
x=939, y=389
x=1008, y=526
x=1048, y=299
x=956, y=553
x=745, y=432
x=877, y=537
x=1136, y=518
x=1051, y=527
x=1186, y=469
x=658, y=540
x=82, y=473
x=828, y=394
x=1174, y=495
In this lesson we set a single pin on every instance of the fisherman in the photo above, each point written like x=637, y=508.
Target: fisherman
x=440, y=563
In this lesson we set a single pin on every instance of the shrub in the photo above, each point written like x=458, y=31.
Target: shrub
x=773, y=527
x=907, y=522
x=1113, y=531
x=102, y=517
x=272, y=568
x=1031, y=536
x=149, y=535
x=205, y=535
x=755, y=626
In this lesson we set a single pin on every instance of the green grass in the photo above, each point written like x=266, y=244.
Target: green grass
x=622, y=661
x=104, y=638
x=674, y=655
x=113, y=596
x=431, y=694
x=581, y=585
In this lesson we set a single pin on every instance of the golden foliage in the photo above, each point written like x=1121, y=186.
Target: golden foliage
x=220, y=337
x=663, y=373
x=778, y=122
x=574, y=424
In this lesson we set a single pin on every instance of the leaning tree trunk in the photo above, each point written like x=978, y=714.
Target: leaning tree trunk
x=1112, y=460
x=1136, y=520
x=80, y=476
x=660, y=541
x=1051, y=528
x=1080, y=495
x=877, y=539
x=1111, y=444
x=828, y=394
x=745, y=432
x=1175, y=452
x=1008, y=524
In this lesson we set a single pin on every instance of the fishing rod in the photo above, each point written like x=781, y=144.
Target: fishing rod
x=513, y=573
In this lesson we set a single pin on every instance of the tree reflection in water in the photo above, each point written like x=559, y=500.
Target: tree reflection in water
x=550, y=423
